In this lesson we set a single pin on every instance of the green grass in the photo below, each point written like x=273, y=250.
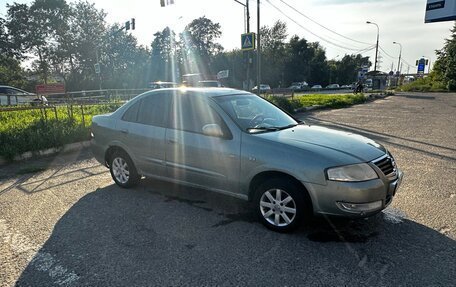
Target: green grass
x=31, y=130
x=335, y=101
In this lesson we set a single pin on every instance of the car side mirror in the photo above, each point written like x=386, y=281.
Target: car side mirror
x=213, y=130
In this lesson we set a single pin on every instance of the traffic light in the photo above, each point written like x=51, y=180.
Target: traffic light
x=127, y=25
x=132, y=23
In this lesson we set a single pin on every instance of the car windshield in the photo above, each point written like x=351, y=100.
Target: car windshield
x=254, y=114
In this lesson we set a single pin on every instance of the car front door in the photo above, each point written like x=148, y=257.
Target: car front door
x=194, y=157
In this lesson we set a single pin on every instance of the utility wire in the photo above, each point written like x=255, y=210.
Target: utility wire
x=392, y=57
x=323, y=39
x=324, y=27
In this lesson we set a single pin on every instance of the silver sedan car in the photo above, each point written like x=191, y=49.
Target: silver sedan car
x=238, y=144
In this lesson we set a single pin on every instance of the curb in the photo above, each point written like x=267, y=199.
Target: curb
x=46, y=152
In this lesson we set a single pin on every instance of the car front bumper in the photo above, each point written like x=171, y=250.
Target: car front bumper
x=353, y=199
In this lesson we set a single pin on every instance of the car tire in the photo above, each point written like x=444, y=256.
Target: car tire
x=123, y=171
x=280, y=204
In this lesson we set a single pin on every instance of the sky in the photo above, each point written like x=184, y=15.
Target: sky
x=398, y=20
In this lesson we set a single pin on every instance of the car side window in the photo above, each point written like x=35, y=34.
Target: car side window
x=191, y=114
x=131, y=114
x=153, y=110
x=12, y=92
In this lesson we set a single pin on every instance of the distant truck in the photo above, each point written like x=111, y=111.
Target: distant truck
x=200, y=80
x=162, y=85
x=210, y=84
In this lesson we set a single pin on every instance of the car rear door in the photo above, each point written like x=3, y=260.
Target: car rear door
x=191, y=156
x=144, y=134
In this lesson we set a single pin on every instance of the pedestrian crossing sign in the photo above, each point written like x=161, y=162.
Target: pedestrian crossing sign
x=248, y=41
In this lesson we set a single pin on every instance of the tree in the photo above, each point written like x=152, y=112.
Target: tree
x=347, y=68
x=273, y=53
x=86, y=39
x=234, y=62
x=198, y=44
x=297, y=65
x=319, y=70
x=124, y=63
x=164, y=62
x=445, y=66
x=36, y=29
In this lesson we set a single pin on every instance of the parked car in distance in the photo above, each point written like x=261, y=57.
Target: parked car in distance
x=263, y=88
x=316, y=87
x=162, y=85
x=298, y=85
x=13, y=96
x=238, y=144
x=333, y=86
x=346, y=87
x=210, y=83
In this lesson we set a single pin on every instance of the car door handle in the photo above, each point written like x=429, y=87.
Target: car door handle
x=124, y=131
x=172, y=141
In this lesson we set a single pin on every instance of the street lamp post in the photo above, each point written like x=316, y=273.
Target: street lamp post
x=376, y=47
x=258, y=49
x=400, y=54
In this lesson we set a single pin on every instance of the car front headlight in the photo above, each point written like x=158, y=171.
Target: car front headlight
x=354, y=172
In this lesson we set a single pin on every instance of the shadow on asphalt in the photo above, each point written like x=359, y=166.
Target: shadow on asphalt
x=164, y=234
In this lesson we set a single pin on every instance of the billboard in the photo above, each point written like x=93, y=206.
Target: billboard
x=57, y=88
x=440, y=10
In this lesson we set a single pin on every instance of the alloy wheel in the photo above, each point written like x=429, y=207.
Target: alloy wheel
x=278, y=207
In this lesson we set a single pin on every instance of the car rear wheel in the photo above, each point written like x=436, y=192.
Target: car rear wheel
x=280, y=205
x=123, y=171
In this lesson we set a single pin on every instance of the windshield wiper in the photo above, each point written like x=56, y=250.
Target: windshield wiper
x=291, y=126
x=287, y=127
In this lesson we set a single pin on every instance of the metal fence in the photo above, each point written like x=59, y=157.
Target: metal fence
x=80, y=97
x=48, y=112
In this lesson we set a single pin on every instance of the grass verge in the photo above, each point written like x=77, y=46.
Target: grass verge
x=32, y=130
x=335, y=101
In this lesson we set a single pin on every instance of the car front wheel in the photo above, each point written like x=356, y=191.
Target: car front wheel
x=123, y=170
x=280, y=205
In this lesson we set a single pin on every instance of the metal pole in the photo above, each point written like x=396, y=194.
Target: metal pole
x=376, y=47
x=400, y=55
x=376, y=50
x=248, y=52
x=248, y=15
x=258, y=49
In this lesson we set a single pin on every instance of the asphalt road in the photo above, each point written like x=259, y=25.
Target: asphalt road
x=64, y=223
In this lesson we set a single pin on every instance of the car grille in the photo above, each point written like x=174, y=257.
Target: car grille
x=387, y=165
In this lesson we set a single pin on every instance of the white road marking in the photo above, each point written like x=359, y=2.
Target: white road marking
x=40, y=261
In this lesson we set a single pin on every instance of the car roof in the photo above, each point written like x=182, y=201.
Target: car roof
x=14, y=88
x=3, y=86
x=204, y=91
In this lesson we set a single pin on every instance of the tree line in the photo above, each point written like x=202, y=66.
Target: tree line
x=55, y=38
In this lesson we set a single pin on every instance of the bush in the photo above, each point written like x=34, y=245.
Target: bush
x=451, y=86
x=427, y=84
x=284, y=103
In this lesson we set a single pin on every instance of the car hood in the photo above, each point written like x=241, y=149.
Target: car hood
x=303, y=136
